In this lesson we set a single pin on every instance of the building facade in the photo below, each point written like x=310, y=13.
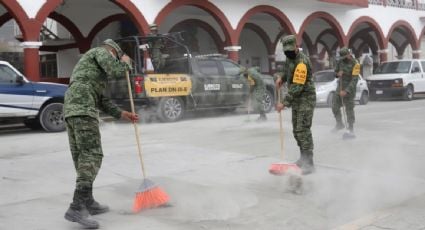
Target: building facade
x=52, y=34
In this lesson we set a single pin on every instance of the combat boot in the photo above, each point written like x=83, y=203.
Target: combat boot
x=77, y=212
x=307, y=166
x=262, y=117
x=93, y=207
x=301, y=160
x=349, y=134
x=338, y=127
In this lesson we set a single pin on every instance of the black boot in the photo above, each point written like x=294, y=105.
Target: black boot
x=301, y=160
x=93, y=206
x=307, y=166
x=77, y=212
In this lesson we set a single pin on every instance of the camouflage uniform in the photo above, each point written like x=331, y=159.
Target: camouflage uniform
x=301, y=97
x=258, y=90
x=83, y=99
x=350, y=69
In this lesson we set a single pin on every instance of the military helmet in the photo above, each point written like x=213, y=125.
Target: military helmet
x=344, y=51
x=115, y=46
x=289, y=43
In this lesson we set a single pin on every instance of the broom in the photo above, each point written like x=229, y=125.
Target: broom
x=149, y=195
x=344, y=114
x=282, y=168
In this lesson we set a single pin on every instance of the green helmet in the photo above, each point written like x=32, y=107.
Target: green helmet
x=344, y=51
x=115, y=46
x=289, y=43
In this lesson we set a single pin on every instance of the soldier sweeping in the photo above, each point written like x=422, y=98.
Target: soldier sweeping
x=301, y=96
x=347, y=71
x=83, y=100
x=258, y=90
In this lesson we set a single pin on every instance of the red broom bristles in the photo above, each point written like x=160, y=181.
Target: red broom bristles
x=151, y=198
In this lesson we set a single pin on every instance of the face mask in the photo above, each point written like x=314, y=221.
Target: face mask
x=290, y=54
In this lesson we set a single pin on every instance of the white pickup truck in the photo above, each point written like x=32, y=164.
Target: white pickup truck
x=36, y=104
x=401, y=78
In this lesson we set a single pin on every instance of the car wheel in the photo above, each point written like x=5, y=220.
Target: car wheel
x=364, y=98
x=267, y=101
x=330, y=100
x=408, y=94
x=51, y=117
x=170, y=109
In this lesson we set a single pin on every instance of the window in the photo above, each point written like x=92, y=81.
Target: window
x=7, y=75
x=48, y=65
x=230, y=68
x=416, y=68
x=208, y=67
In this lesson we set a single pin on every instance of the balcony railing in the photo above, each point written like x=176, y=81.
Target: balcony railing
x=407, y=4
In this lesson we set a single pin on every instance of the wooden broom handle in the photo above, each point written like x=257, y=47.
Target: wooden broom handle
x=136, y=129
x=280, y=127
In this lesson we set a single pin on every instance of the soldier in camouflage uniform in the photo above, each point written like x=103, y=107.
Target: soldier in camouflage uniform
x=83, y=100
x=347, y=70
x=258, y=90
x=155, y=47
x=301, y=96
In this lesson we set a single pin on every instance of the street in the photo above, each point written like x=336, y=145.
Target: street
x=215, y=169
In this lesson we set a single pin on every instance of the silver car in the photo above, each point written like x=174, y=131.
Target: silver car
x=326, y=84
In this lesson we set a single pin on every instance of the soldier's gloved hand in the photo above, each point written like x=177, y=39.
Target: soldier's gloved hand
x=342, y=93
x=279, y=107
x=129, y=116
x=126, y=59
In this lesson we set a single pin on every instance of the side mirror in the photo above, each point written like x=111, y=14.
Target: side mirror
x=20, y=80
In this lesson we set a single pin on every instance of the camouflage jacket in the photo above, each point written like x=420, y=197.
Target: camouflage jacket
x=256, y=78
x=89, y=79
x=301, y=87
x=350, y=75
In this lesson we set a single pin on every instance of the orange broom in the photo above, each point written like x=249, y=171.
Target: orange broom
x=282, y=168
x=149, y=195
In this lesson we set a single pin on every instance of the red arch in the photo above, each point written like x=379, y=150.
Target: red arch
x=135, y=15
x=5, y=18
x=207, y=27
x=71, y=27
x=214, y=11
x=18, y=13
x=329, y=19
x=410, y=36
x=103, y=23
x=382, y=42
x=263, y=35
x=272, y=11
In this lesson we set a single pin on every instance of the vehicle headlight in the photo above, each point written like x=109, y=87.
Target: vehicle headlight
x=397, y=83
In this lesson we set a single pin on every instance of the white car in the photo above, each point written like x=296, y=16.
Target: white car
x=36, y=104
x=326, y=84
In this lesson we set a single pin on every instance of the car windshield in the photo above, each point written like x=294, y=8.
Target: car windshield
x=394, y=67
x=324, y=76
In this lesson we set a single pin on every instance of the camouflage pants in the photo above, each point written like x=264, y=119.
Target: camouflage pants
x=158, y=61
x=258, y=96
x=86, y=148
x=302, y=119
x=349, y=109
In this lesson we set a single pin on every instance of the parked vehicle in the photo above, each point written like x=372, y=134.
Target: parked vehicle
x=184, y=83
x=402, y=79
x=36, y=104
x=326, y=83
